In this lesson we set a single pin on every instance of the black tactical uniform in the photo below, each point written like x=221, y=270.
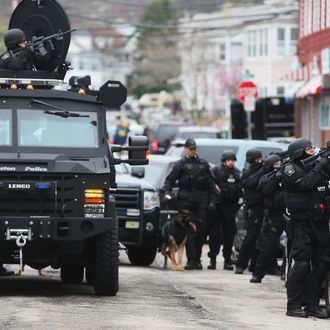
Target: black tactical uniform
x=254, y=207
x=196, y=193
x=22, y=56
x=270, y=187
x=14, y=59
x=228, y=180
x=305, y=231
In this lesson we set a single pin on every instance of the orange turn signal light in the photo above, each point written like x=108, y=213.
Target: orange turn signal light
x=94, y=196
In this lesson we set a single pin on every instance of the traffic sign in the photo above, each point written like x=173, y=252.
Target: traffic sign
x=247, y=88
x=249, y=103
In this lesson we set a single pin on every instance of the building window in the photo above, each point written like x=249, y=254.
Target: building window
x=316, y=15
x=280, y=42
x=323, y=13
x=308, y=17
x=252, y=43
x=263, y=42
x=325, y=114
x=280, y=90
x=327, y=17
x=222, y=52
x=293, y=40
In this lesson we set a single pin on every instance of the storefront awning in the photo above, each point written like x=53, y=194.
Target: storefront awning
x=293, y=88
x=311, y=87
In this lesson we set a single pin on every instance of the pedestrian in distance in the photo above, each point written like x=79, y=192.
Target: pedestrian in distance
x=121, y=133
x=307, y=230
x=254, y=209
x=197, y=194
x=223, y=223
x=270, y=187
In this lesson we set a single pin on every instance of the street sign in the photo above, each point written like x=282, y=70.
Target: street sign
x=247, y=88
x=249, y=103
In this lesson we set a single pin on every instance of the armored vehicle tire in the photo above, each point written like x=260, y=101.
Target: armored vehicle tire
x=142, y=256
x=106, y=262
x=72, y=274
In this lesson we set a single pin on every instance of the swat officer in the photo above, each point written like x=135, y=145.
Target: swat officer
x=304, y=277
x=254, y=208
x=270, y=187
x=196, y=193
x=18, y=55
x=227, y=178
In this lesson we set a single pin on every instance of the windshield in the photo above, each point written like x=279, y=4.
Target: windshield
x=155, y=173
x=213, y=153
x=40, y=128
x=5, y=127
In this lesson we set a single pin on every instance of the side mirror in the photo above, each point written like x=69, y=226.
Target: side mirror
x=138, y=151
x=138, y=148
x=138, y=172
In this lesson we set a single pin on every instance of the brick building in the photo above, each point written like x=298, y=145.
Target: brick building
x=312, y=105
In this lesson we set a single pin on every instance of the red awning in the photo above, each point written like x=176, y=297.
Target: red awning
x=312, y=87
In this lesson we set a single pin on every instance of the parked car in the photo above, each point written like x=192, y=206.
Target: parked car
x=162, y=135
x=137, y=208
x=211, y=149
x=194, y=132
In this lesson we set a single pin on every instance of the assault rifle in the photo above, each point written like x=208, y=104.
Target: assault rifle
x=38, y=43
x=323, y=153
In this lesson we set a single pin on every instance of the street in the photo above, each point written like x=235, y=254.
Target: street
x=149, y=298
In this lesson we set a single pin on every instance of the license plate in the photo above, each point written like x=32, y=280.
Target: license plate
x=132, y=225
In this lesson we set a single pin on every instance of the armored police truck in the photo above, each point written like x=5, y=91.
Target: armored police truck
x=56, y=167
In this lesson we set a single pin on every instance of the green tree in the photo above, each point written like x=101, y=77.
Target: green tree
x=156, y=59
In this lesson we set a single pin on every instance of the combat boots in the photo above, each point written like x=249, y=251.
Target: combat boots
x=228, y=265
x=190, y=265
x=213, y=263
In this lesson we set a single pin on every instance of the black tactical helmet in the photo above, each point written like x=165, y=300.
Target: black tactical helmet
x=270, y=161
x=13, y=37
x=297, y=147
x=228, y=155
x=252, y=154
x=190, y=144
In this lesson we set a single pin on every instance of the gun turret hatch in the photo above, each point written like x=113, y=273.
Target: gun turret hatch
x=43, y=18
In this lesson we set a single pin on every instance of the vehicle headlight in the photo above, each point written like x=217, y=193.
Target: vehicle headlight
x=151, y=200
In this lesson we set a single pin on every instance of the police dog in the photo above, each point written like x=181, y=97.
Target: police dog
x=174, y=238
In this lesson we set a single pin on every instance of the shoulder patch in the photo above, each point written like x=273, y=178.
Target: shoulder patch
x=289, y=170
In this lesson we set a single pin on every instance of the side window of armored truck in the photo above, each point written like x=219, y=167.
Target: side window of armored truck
x=5, y=127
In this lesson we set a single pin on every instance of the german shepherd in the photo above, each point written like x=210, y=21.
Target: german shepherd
x=174, y=238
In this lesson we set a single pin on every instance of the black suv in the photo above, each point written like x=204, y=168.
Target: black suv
x=162, y=135
x=137, y=207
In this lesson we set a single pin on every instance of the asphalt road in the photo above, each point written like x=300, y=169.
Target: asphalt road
x=149, y=298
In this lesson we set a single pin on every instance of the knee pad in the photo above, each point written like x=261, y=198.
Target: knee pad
x=300, y=270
